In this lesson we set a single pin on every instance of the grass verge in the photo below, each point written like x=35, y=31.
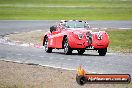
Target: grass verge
x=65, y=9
x=4, y=85
x=120, y=40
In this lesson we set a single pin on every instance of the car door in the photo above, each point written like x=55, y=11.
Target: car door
x=53, y=38
x=56, y=38
x=59, y=37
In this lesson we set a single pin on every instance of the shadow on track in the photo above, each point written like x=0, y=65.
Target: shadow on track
x=76, y=54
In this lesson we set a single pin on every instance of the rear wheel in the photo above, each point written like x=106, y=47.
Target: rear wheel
x=81, y=51
x=67, y=49
x=102, y=52
x=47, y=49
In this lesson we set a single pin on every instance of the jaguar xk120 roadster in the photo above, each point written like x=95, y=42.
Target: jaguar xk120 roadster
x=75, y=35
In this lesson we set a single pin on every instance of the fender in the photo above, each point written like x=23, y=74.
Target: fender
x=100, y=41
x=71, y=38
x=47, y=34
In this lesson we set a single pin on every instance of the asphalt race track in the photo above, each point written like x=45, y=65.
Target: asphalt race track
x=111, y=63
x=11, y=26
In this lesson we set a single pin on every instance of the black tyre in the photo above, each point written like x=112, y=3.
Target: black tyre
x=81, y=80
x=81, y=51
x=67, y=49
x=102, y=52
x=47, y=49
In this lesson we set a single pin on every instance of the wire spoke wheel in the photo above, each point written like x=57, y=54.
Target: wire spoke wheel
x=47, y=49
x=46, y=44
x=66, y=46
x=67, y=49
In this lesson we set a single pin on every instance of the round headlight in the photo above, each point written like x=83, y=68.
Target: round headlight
x=99, y=36
x=80, y=36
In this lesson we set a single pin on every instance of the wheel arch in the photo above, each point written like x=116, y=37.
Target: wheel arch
x=63, y=41
x=44, y=39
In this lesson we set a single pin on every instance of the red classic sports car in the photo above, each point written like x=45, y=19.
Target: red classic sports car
x=75, y=35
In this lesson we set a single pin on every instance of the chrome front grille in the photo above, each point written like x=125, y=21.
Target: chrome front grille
x=89, y=38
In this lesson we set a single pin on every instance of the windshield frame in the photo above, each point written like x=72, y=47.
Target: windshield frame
x=76, y=24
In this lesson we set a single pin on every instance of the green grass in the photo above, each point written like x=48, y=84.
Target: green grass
x=3, y=85
x=120, y=40
x=65, y=9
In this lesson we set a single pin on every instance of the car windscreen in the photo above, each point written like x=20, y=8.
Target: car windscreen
x=75, y=24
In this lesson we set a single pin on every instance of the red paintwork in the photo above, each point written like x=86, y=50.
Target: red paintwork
x=55, y=38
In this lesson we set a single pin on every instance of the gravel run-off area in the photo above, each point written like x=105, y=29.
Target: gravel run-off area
x=16, y=75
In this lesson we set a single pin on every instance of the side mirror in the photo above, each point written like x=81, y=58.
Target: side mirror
x=52, y=28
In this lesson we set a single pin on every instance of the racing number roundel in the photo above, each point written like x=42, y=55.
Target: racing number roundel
x=51, y=42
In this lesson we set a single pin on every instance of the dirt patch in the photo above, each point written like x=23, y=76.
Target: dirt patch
x=14, y=75
x=28, y=37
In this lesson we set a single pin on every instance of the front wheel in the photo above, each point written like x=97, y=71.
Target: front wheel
x=102, y=52
x=47, y=49
x=67, y=49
